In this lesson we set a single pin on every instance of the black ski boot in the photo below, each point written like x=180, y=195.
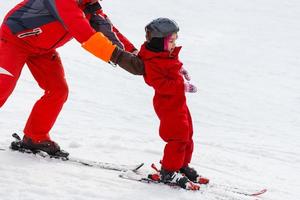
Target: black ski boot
x=192, y=174
x=178, y=179
x=48, y=146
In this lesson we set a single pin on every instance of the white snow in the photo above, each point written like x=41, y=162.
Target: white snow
x=244, y=58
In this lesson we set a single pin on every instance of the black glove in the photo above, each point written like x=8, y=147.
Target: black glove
x=92, y=8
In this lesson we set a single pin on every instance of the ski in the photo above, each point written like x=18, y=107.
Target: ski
x=139, y=176
x=135, y=176
x=257, y=193
x=240, y=191
x=104, y=165
x=17, y=147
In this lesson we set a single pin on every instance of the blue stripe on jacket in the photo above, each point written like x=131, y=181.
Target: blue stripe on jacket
x=33, y=14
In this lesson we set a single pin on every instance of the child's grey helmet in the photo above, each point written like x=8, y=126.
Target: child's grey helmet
x=161, y=27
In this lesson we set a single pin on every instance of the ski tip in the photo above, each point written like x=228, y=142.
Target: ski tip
x=15, y=146
x=138, y=167
x=259, y=193
x=16, y=136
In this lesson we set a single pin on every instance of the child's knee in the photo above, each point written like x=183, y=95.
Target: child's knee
x=176, y=132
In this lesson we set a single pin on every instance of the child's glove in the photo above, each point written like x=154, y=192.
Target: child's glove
x=190, y=88
x=185, y=74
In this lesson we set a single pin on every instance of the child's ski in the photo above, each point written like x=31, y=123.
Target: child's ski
x=240, y=191
x=139, y=176
x=134, y=176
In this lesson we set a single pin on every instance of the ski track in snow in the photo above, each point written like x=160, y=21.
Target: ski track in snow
x=242, y=55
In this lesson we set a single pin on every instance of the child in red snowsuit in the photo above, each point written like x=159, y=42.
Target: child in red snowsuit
x=164, y=72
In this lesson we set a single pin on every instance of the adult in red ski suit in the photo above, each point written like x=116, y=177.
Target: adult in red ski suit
x=31, y=32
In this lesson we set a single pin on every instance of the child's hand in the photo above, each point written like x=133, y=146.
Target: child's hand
x=190, y=88
x=185, y=74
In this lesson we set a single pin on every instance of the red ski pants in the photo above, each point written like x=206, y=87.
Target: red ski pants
x=47, y=70
x=177, y=132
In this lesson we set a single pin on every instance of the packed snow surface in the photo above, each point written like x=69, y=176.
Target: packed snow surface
x=244, y=58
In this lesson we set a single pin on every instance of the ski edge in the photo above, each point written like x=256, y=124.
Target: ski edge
x=79, y=161
x=241, y=191
x=148, y=180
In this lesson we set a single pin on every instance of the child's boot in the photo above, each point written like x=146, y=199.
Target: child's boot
x=178, y=179
x=192, y=174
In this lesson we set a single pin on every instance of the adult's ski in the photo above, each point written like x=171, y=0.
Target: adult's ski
x=17, y=147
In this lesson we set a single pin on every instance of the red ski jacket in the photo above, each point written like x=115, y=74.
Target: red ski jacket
x=42, y=26
x=48, y=24
x=162, y=73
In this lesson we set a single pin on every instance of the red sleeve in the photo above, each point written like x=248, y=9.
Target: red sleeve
x=74, y=20
x=162, y=82
x=127, y=44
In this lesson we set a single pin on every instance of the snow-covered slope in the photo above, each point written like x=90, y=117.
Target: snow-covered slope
x=244, y=58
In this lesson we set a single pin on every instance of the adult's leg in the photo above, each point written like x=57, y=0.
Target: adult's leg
x=48, y=71
x=12, y=60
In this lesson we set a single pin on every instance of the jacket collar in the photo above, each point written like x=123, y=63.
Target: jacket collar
x=147, y=54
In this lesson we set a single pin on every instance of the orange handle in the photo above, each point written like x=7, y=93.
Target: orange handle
x=100, y=46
